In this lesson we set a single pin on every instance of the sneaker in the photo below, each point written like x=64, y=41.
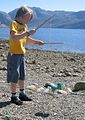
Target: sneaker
x=24, y=97
x=16, y=100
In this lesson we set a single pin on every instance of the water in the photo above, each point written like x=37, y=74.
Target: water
x=4, y=33
x=74, y=39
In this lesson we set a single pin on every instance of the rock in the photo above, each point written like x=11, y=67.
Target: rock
x=32, y=87
x=27, y=61
x=68, y=74
x=35, y=84
x=75, y=75
x=69, y=90
x=55, y=63
x=54, y=75
x=2, y=55
x=76, y=70
x=3, y=68
x=79, y=86
x=1, y=47
x=33, y=62
x=4, y=59
x=41, y=89
x=47, y=68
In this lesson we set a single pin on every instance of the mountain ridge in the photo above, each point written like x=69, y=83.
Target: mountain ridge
x=61, y=19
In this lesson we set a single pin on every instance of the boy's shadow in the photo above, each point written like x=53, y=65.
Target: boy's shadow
x=42, y=114
x=4, y=104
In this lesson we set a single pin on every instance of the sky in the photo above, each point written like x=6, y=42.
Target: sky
x=66, y=5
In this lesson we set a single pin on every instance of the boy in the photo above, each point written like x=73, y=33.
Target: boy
x=19, y=35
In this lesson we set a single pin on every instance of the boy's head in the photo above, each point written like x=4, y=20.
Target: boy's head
x=25, y=14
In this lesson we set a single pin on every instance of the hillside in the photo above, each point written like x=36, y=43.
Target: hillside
x=61, y=19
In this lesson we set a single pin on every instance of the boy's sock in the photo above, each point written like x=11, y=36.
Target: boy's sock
x=21, y=92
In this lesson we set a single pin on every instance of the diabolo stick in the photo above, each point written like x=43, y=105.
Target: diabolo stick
x=44, y=22
x=53, y=43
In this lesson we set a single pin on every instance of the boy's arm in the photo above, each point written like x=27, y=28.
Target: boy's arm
x=16, y=36
x=33, y=41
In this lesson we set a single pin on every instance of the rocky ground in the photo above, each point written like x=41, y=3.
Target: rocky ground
x=43, y=67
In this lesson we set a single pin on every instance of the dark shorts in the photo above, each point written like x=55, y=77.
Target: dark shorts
x=15, y=68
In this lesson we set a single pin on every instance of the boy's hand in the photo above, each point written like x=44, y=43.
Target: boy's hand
x=31, y=32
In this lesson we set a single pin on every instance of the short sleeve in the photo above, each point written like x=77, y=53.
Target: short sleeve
x=26, y=27
x=13, y=26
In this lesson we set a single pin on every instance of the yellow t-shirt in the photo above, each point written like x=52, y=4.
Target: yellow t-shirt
x=17, y=46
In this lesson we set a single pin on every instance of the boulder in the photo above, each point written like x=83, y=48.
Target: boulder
x=79, y=86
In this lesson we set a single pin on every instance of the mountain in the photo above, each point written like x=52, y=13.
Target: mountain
x=4, y=18
x=61, y=19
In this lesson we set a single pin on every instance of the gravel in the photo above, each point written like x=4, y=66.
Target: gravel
x=43, y=67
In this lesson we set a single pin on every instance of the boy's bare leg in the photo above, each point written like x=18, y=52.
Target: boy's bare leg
x=13, y=87
x=21, y=84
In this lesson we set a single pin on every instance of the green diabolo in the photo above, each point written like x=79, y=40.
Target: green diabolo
x=59, y=86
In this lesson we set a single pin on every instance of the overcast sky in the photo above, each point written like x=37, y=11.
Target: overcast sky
x=67, y=5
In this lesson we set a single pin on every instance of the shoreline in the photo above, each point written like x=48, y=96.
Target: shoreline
x=6, y=45
x=49, y=48
x=67, y=52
